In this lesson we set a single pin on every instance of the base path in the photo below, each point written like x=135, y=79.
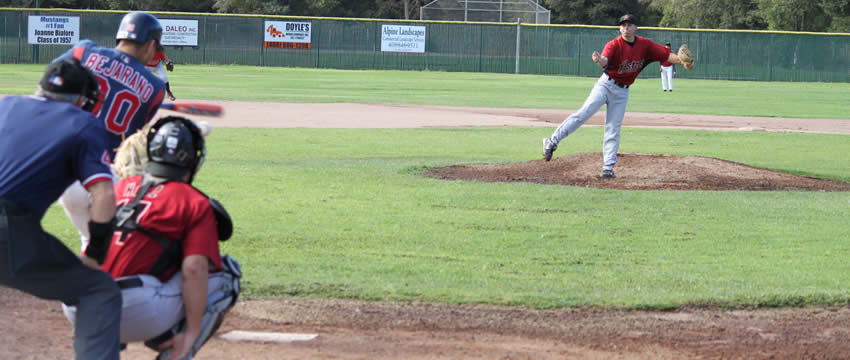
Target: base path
x=289, y=115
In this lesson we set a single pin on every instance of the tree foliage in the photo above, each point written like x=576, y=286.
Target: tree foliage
x=839, y=12
x=595, y=12
x=792, y=15
x=710, y=14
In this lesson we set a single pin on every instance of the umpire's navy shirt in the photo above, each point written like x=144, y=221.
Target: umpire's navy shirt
x=45, y=146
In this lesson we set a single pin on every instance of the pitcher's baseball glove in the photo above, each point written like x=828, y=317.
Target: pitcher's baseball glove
x=132, y=156
x=169, y=66
x=686, y=57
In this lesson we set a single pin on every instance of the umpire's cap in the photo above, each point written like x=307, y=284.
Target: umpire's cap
x=140, y=27
x=68, y=76
x=627, y=18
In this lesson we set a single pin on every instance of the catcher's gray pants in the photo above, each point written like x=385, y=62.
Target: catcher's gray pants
x=605, y=92
x=37, y=263
x=153, y=307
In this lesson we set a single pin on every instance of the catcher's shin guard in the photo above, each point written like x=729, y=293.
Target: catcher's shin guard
x=213, y=317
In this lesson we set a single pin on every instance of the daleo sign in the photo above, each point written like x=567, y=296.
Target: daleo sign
x=287, y=34
x=179, y=32
x=53, y=30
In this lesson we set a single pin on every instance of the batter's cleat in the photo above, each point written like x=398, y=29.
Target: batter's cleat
x=608, y=174
x=171, y=96
x=549, y=147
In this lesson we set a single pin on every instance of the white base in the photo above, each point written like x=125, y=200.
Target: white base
x=268, y=337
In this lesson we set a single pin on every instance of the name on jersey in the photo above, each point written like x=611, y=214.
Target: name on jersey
x=131, y=189
x=122, y=73
x=630, y=66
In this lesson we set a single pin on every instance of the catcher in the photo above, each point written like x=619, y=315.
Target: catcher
x=155, y=66
x=621, y=60
x=164, y=255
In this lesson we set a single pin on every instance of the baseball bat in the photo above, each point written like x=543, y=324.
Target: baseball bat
x=194, y=108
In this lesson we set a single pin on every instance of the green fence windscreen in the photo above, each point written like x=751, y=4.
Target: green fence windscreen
x=458, y=46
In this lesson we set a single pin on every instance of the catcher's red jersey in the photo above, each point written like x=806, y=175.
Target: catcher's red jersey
x=175, y=210
x=625, y=61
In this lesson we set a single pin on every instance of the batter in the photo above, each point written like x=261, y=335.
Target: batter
x=622, y=59
x=130, y=95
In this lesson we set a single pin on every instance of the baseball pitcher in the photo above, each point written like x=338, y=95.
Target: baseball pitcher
x=622, y=59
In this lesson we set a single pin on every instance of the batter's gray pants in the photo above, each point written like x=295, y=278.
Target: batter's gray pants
x=605, y=92
x=37, y=263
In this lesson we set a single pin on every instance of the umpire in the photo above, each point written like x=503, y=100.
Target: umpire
x=48, y=141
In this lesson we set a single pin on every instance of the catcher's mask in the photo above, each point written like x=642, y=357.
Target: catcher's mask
x=140, y=27
x=175, y=148
x=68, y=76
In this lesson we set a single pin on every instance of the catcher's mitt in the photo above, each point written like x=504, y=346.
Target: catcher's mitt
x=686, y=57
x=169, y=66
x=132, y=156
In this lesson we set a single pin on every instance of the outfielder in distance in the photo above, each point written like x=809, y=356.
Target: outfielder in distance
x=130, y=94
x=48, y=141
x=164, y=253
x=667, y=72
x=622, y=60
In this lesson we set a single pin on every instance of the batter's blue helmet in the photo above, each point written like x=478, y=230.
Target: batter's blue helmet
x=139, y=27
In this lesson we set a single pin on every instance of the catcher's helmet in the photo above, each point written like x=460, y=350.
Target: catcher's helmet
x=175, y=148
x=139, y=27
x=68, y=76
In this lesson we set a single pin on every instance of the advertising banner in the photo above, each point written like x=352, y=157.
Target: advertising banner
x=179, y=32
x=402, y=38
x=53, y=30
x=287, y=35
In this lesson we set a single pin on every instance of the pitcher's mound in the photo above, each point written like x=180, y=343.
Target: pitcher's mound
x=640, y=172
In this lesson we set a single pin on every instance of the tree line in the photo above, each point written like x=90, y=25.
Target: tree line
x=788, y=15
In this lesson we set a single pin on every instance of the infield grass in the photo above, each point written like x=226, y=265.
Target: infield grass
x=344, y=213
x=711, y=97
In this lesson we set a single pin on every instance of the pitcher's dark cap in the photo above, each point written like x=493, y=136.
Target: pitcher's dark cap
x=628, y=17
x=67, y=76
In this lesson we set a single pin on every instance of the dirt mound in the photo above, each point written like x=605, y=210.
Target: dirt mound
x=640, y=172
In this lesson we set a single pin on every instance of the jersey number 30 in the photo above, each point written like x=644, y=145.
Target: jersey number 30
x=121, y=110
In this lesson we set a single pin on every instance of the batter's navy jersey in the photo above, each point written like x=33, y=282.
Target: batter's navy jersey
x=130, y=93
x=45, y=146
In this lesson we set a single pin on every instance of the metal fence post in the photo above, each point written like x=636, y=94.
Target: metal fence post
x=518, y=23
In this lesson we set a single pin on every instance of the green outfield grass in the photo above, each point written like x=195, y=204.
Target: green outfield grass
x=711, y=97
x=344, y=213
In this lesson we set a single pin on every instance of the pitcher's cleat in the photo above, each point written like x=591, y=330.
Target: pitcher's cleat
x=549, y=147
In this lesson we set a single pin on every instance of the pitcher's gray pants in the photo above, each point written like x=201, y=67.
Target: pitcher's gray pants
x=605, y=92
